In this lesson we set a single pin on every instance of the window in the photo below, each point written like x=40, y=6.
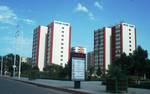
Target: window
x=62, y=47
x=61, y=59
x=62, y=35
x=129, y=41
x=61, y=55
x=62, y=27
x=129, y=33
x=130, y=45
x=62, y=43
x=62, y=31
x=129, y=37
x=61, y=51
x=129, y=29
x=62, y=39
x=130, y=49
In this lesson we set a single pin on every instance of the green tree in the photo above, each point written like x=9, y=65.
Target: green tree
x=54, y=71
x=115, y=71
x=91, y=70
x=65, y=73
x=99, y=71
x=140, y=56
x=25, y=69
x=134, y=64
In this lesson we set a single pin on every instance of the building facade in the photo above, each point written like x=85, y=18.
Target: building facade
x=90, y=59
x=38, y=48
x=78, y=49
x=110, y=43
x=51, y=44
x=58, y=43
x=102, y=48
x=123, y=39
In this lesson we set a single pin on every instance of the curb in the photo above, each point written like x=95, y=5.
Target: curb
x=55, y=88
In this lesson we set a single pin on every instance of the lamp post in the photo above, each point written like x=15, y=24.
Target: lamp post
x=1, y=65
x=14, y=66
x=20, y=55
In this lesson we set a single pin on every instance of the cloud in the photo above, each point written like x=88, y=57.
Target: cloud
x=81, y=8
x=84, y=9
x=28, y=21
x=8, y=16
x=91, y=16
x=98, y=5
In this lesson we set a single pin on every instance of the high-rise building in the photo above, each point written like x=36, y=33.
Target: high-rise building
x=111, y=42
x=90, y=59
x=58, y=43
x=38, y=48
x=102, y=48
x=123, y=39
x=51, y=44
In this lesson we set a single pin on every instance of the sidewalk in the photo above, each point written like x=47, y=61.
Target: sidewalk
x=87, y=87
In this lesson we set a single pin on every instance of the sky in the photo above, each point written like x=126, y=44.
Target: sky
x=85, y=16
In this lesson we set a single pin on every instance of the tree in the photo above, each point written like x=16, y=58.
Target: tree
x=26, y=67
x=115, y=71
x=140, y=56
x=91, y=70
x=99, y=71
x=134, y=64
x=66, y=72
x=54, y=71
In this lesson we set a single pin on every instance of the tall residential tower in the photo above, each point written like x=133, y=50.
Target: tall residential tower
x=38, y=48
x=102, y=48
x=58, y=43
x=110, y=43
x=51, y=44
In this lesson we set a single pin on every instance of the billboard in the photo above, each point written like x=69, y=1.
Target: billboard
x=78, y=69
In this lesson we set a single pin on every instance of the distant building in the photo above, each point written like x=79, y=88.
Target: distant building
x=58, y=43
x=26, y=60
x=78, y=49
x=90, y=59
x=110, y=42
x=38, y=48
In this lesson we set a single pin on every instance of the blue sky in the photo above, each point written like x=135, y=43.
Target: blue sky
x=84, y=15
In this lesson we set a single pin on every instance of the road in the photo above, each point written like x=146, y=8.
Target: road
x=8, y=86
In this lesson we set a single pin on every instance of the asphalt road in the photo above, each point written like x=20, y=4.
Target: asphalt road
x=8, y=86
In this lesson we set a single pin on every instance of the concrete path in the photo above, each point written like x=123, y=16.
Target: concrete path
x=92, y=87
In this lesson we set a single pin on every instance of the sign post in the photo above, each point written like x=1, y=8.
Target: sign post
x=78, y=68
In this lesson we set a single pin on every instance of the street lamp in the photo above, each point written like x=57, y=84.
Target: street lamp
x=14, y=66
x=1, y=65
x=20, y=55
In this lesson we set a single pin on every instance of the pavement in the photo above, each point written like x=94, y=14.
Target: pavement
x=8, y=86
x=87, y=87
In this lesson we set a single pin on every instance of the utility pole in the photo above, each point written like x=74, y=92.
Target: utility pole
x=20, y=55
x=19, y=39
x=1, y=65
x=14, y=66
